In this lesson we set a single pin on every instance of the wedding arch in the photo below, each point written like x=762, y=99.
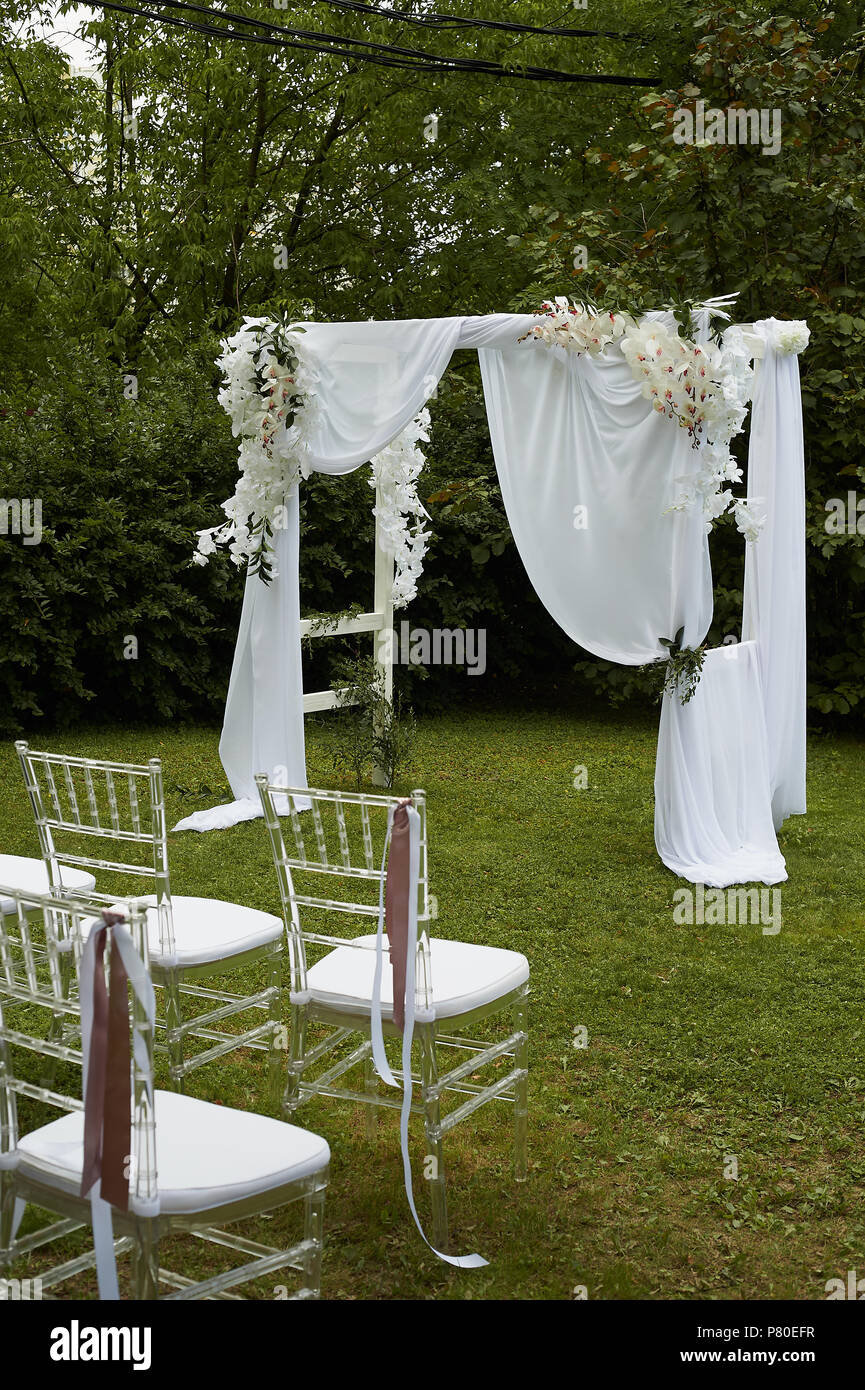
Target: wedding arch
x=611, y=436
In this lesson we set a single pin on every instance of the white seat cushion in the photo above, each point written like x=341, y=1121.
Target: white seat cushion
x=31, y=876
x=464, y=977
x=206, y=1155
x=208, y=929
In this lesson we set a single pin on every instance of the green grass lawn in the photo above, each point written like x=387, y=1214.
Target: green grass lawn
x=703, y=1041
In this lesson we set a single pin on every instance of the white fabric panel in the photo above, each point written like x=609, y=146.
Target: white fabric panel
x=774, y=607
x=713, y=821
x=464, y=977
x=206, y=1155
x=572, y=431
x=263, y=726
x=373, y=380
x=374, y=377
x=31, y=876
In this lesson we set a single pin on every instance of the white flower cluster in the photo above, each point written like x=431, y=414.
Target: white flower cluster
x=577, y=327
x=706, y=388
x=788, y=336
x=270, y=393
x=395, y=472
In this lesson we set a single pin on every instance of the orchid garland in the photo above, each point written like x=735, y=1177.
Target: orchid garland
x=395, y=471
x=269, y=392
x=705, y=388
x=577, y=327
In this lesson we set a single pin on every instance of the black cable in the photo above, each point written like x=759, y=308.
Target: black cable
x=385, y=57
x=455, y=21
x=311, y=34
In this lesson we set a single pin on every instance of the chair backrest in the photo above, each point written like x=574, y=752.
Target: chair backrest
x=41, y=944
x=340, y=840
x=79, y=801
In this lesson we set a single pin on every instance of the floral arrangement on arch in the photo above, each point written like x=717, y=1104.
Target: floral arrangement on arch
x=704, y=387
x=269, y=391
x=399, y=510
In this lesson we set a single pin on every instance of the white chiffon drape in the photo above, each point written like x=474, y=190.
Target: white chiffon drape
x=572, y=433
x=713, y=813
x=774, y=606
x=588, y=471
x=373, y=380
x=731, y=762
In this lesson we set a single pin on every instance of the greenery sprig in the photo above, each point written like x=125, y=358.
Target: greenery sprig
x=680, y=673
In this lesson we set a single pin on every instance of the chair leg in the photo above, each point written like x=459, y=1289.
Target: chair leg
x=145, y=1261
x=434, y=1160
x=7, y=1218
x=173, y=1037
x=277, y=1055
x=370, y=1085
x=520, y=1014
x=313, y=1229
x=58, y=1020
x=291, y=1097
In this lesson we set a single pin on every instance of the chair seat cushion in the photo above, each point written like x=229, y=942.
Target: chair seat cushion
x=208, y=929
x=464, y=977
x=31, y=876
x=206, y=1155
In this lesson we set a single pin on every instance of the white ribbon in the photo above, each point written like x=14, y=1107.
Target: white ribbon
x=103, y=1229
x=377, y=1034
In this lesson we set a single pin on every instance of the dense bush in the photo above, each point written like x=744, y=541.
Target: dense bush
x=123, y=484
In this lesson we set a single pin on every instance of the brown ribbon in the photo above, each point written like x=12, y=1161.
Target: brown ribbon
x=396, y=903
x=108, y=1102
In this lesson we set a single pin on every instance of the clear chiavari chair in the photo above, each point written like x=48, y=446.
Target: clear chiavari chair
x=194, y=1167
x=339, y=849
x=79, y=803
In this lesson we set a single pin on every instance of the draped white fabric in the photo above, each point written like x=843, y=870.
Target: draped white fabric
x=263, y=726
x=713, y=819
x=774, y=608
x=373, y=379
x=731, y=763
x=588, y=471
x=569, y=433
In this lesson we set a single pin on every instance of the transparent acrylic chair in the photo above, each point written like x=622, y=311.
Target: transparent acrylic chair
x=31, y=876
x=457, y=985
x=216, y=1166
x=80, y=801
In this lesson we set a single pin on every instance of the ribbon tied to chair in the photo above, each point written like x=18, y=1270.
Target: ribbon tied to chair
x=398, y=901
x=108, y=1097
x=396, y=904
x=107, y=1079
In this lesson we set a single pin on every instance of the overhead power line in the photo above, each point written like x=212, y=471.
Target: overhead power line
x=312, y=35
x=456, y=21
x=383, y=55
